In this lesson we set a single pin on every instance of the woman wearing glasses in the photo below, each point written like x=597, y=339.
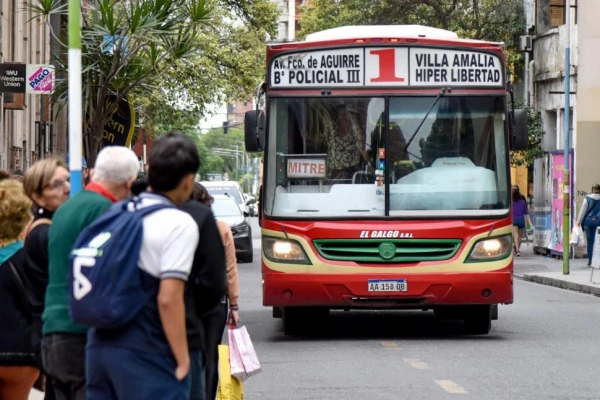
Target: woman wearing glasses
x=47, y=184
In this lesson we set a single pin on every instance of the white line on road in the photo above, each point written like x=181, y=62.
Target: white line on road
x=417, y=364
x=451, y=387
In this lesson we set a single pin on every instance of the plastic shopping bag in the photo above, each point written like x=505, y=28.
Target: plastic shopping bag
x=528, y=224
x=577, y=238
x=243, y=358
x=229, y=387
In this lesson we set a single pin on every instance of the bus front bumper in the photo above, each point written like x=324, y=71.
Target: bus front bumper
x=422, y=290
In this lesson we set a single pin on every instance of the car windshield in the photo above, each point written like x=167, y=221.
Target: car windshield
x=227, y=190
x=330, y=157
x=226, y=208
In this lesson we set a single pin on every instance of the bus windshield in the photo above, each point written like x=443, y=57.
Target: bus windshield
x=330, y=157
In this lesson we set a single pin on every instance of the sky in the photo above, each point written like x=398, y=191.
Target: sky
x=216, y=120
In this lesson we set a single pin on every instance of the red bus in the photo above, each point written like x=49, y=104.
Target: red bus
x=386, y=181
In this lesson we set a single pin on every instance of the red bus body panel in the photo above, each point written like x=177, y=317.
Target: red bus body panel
x=425, y=289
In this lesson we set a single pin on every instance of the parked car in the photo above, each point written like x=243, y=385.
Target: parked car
x=228, y=188
x=227, y=210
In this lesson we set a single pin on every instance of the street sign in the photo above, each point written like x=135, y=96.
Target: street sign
x=13, y=78
x=40, y=78
x=26, y=78
x=118, y=131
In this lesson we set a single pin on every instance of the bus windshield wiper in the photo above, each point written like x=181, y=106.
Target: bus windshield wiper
x=442, y=92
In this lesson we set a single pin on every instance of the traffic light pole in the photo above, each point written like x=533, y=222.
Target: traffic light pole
x=75, y=100
x=567, y=145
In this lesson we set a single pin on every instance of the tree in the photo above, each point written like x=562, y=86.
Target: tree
x=126, y=47
x=233, y=141
x=163, y=55
x=534, y=132
x=229, y=66
x=491, y=20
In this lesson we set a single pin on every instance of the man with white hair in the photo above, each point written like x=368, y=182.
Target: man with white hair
x=64, y=342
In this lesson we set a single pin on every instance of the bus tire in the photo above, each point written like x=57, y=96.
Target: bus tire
x=478, y=320
x=494, y=312
x=277, y=312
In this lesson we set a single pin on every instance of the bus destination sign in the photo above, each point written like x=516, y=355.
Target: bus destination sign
x=389, y=67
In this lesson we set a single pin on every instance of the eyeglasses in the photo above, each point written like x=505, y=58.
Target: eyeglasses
x=58, y=183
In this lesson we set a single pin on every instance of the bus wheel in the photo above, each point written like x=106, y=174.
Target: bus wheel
x=478, y=320
x=298, y=320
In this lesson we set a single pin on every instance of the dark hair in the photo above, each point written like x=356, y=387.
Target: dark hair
x=199, y=193
x=140, y=184
x=17, y=172
x=516, y=195
x=4, y=175
x=173, y=156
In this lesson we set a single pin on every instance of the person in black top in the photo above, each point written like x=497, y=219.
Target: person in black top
x=19, y=367
x=47, y=184
x=206, y=288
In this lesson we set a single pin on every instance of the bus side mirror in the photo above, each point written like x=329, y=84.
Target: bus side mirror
x=519, y=139
x=254, y=130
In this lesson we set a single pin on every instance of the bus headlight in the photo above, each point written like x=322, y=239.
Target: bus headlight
x=284, y=250
x=491, y=249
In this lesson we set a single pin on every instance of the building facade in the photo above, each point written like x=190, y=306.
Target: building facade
x=289, y=19
x=546, y=93
x=26, y=131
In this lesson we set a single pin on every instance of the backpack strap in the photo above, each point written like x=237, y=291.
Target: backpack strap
x=38, y=222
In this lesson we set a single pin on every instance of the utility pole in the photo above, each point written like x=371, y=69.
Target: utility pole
x=567, y=143
x=237, y=164
x=75, y=100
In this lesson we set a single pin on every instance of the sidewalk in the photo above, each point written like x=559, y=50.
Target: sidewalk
x=549, y=271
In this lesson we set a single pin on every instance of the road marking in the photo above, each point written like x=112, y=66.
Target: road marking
x=451, y=387
x=417, y=364
x=390, y=345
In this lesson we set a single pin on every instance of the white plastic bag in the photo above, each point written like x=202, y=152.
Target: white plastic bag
x=243, y=358
x=577, y=238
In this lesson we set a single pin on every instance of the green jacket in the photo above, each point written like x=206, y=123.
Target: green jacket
x=69, y=221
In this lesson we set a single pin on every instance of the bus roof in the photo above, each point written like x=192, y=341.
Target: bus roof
x=380, y=31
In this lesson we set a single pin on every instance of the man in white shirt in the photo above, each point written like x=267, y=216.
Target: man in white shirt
x=149, y=357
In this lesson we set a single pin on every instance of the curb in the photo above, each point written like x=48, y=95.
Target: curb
x=577, y=287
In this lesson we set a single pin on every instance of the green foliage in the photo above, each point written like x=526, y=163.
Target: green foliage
x=491, y=20
x=535, y=132
x=169, y=57
x=230, y=63
x=215, y=139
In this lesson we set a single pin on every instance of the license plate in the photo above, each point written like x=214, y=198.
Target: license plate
x=377, y=285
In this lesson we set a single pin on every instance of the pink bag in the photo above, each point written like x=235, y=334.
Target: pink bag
x=242, y=357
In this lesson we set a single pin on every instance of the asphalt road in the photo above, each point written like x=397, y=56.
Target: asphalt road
x=544, y=346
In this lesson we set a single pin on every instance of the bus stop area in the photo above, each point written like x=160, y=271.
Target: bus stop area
x=548, y=270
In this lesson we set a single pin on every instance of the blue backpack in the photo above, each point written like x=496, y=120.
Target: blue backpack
x=109, y=288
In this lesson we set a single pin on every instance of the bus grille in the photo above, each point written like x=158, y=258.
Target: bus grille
x=387, y=250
